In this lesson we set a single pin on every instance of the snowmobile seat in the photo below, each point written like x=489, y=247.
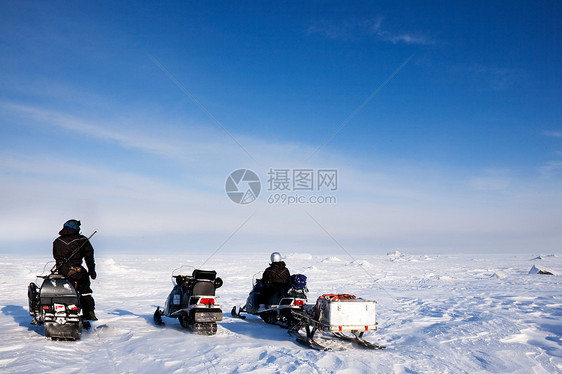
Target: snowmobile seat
x=58, y=289
x=204, y=287
x=209, y=275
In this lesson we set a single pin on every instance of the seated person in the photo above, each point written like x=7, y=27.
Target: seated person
x=275, y=281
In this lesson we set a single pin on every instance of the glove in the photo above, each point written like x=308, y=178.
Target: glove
x=93, y=274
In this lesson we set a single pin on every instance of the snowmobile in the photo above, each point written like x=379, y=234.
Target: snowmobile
x=193, y=302
x=280, y=305
x=56, y=304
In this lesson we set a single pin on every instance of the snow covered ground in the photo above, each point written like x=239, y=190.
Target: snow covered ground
x=479, y=313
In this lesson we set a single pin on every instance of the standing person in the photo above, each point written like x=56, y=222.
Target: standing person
x=275, y=280
x=69, y=240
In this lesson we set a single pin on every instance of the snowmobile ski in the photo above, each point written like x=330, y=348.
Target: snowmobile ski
x=236, y=314
x=158, y=317
x=357, y=338
x=308, y=342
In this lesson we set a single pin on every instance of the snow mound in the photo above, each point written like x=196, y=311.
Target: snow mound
x=541, y=270
x=397, y=256
x=499, y=275
x=330, y=260
x=111, y=267
x=437, y=277
x=542, y=257
x=363, y=263
x=313, y=269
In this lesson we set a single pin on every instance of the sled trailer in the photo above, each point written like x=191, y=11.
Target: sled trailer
x=337, y=315
x=346, y=314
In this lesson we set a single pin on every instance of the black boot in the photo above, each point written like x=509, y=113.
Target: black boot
x=92, y=316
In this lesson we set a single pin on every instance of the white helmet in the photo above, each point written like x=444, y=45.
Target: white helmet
x=276, y=257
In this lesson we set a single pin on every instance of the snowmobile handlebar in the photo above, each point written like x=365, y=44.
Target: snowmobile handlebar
x=58, y=266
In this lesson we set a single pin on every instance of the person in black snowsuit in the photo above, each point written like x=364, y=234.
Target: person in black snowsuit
x=275, y=280
x=68, y=241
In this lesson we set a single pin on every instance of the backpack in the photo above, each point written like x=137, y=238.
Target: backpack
x=298, y=281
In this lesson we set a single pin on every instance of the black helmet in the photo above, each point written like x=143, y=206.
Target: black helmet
x=72, y=224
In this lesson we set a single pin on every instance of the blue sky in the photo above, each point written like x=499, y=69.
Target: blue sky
x=443, y=120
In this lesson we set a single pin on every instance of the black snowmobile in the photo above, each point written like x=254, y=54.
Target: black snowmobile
x=193, y=302
x=56, y=304
x=281, y=304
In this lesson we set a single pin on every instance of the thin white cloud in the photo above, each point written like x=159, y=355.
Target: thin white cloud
x=350, y=30
x=551, y=169
x=500, y=78
x=490, y=183
x=199, y=146
x=492, y=180
x=75, y=124
x=405, y=38
x=330, y=30
x=554, y=134
x=195, y=145
x=395, y=38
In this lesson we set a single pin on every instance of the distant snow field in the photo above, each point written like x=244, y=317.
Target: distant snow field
x=480, y=313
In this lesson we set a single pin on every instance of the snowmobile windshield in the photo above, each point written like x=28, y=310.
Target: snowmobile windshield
x=185, y=270
x=256, y=277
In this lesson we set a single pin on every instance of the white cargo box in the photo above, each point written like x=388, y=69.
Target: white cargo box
x=346, y=315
